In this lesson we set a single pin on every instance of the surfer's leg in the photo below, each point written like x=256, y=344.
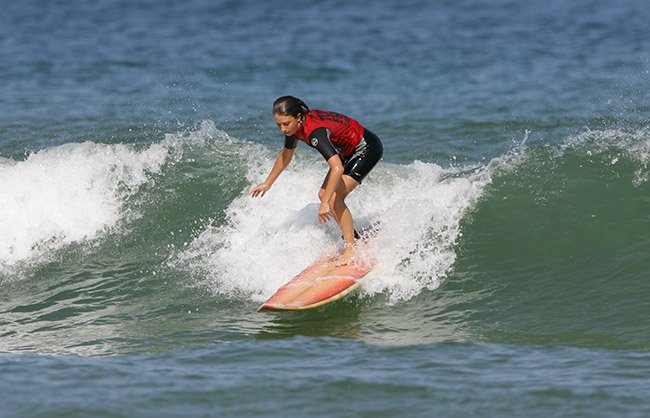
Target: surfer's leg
x=344, y=217
x=342, y=214
x=341, y=210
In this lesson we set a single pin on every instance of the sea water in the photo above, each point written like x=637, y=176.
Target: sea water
x=512, y=205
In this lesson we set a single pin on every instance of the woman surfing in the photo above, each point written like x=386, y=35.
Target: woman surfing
x=351, y=151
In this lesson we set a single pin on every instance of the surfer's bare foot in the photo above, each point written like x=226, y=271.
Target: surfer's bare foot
x=348, y=257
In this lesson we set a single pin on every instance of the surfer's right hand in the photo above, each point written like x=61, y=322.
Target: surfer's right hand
x=324, y=213
x=259, y=190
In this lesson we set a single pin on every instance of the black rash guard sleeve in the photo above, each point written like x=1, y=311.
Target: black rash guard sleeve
x=290, y=142
x=320, y=139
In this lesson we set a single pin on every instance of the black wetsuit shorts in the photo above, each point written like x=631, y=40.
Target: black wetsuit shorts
x=364, y=157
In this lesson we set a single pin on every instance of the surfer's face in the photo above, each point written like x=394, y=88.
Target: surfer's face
x=288, y=124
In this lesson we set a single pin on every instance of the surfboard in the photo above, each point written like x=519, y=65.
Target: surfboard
x=319, y=284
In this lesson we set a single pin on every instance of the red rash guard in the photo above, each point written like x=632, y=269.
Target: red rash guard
x=345, y=132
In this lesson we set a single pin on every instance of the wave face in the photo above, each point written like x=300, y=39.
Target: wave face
x=559, y=245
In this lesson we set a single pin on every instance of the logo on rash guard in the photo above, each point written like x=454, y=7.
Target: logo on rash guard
x=314, y=142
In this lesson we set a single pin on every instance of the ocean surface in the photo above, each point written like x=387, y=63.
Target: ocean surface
x=513, y=204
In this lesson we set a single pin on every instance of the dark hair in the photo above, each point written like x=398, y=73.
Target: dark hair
x=290, y=106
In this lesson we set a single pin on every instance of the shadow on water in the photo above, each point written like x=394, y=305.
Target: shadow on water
x=339, y=320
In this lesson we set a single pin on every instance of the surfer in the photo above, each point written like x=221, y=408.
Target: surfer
x=350, y=150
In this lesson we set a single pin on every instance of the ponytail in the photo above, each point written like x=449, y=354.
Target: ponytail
x=290, y=106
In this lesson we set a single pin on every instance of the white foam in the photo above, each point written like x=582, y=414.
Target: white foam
x=67, y=194
x=420, y=207
x=266, y=241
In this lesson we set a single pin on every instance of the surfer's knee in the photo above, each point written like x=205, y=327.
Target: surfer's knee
x=337, y=204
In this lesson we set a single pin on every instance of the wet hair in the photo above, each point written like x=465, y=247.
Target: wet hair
x=290, y=106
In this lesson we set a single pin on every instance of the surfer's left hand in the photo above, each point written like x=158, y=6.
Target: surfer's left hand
x=324, y=213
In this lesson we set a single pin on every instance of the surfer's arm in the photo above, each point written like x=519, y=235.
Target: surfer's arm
x=320, y=139
x=335, y=174
x=283, y=160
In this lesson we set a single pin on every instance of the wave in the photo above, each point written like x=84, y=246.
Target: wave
x=543, y=243
x=68, y=194
x=614, y=146
x=78, y=192
x=249, y=247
